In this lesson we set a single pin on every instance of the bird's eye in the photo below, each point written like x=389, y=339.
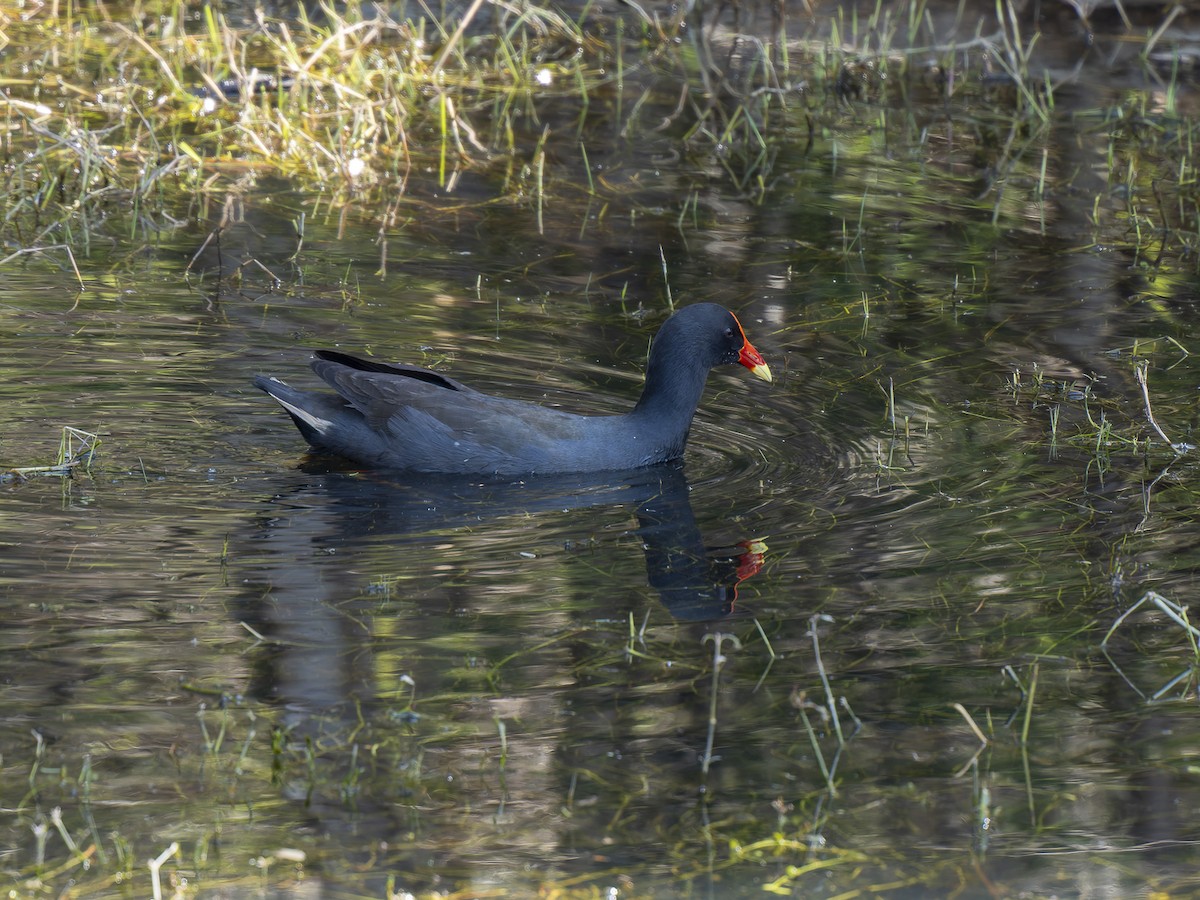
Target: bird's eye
x=728, y=332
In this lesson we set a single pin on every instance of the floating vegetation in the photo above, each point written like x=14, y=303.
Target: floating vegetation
x=76, y=449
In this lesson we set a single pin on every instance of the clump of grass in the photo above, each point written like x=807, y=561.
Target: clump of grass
x=118, y=115
x=174, y=106
x=69, y=838
x=1153, y=181
x=1186, y=680
x=76, y=448
x=1099, y=425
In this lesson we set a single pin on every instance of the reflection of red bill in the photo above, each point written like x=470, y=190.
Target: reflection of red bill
x=752, y=560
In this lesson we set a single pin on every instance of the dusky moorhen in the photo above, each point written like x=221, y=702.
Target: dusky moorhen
x=405, y=417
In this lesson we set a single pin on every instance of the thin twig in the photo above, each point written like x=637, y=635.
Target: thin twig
x=455, y=38
x=718, y=659
x=829, y=701
x=1140, y=375
x=63, y=247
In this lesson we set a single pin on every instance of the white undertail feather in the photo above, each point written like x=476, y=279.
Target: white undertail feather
x=315, y=422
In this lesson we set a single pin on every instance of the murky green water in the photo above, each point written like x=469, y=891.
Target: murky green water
x=320, y=680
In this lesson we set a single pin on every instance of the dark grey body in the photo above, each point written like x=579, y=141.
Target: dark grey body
x=405, y=417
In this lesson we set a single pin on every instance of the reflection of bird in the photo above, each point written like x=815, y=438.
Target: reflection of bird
x=404, y=417
x=345, y=511
x=694, y=583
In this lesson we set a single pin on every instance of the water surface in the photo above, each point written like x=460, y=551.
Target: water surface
x=317, y=678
